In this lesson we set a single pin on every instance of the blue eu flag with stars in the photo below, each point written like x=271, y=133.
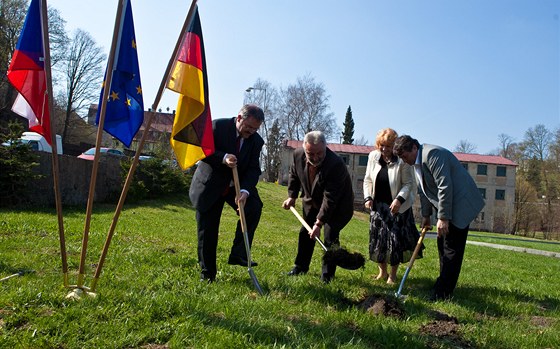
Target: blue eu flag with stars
x=125, y=107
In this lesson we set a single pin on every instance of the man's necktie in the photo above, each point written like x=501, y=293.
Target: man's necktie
x=237, y=145
x=312, y=172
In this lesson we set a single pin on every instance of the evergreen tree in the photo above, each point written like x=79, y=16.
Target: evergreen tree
x=348, y=128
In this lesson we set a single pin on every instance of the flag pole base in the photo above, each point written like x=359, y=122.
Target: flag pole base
x=79, y=293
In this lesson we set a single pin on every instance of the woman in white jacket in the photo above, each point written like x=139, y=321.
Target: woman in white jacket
x=389, y=190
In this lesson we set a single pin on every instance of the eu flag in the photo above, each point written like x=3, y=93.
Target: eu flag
x=125, y=107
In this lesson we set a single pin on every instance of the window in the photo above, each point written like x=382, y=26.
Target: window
x=482, y=192
x=466, y=166
x=345, y=159
x=363, y=160
x=500, y=194
x=501, y=171
x=482, y=170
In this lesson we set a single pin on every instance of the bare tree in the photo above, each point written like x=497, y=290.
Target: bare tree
x=12, y=16
x=507, y=146
x=465, y=146
x=304, y=107
x=82, y=68
x=361, y=141
x=263, y=94
x=58, y=39
x=537, y=142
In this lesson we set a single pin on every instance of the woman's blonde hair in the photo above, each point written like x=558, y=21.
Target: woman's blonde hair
x=386, y=136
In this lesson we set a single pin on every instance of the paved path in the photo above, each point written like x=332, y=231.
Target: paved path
x=515, y=248
x=509, y=248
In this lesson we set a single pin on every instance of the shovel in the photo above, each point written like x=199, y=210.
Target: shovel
x=21, y=273
x=414, y=255
x=245, y=233
x=339, y=256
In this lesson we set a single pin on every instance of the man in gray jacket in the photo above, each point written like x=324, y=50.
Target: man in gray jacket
x=446, y=186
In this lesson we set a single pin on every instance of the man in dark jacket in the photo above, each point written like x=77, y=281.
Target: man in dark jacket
x=237, y=144
x=328, y=199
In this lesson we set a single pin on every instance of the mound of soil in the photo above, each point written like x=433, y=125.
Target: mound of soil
x=378, y=304
x=444, y=329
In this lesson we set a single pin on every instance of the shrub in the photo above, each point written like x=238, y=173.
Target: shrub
x=17, y=164
x=155, y=178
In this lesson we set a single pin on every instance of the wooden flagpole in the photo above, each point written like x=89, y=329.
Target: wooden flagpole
x=107, y=87
x=132, y=169
x=54, y=146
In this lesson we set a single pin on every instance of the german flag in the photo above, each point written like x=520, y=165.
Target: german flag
x=191, y=138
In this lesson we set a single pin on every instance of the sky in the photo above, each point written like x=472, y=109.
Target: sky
x=441, y=71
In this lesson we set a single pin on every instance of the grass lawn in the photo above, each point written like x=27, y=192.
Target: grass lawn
x=149, y=294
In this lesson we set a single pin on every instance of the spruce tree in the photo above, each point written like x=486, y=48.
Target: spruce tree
x=348, y=128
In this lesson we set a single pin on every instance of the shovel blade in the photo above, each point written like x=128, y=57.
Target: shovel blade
x=255, y=281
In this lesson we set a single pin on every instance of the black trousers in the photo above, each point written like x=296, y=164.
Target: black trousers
x=451, y=248
x=306, y=246
x=209, y=224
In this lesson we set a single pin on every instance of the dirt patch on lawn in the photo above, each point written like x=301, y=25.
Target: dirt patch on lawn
x=542, y=321
x=445, y=329
x=379, y=304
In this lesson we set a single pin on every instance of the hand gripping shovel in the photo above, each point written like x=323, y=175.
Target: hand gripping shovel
x=245, y=233
x=339, y=256
x=414, y=255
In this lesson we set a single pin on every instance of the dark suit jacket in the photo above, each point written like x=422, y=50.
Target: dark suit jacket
x=212, y=177
x=331, y=193
x=448, y=187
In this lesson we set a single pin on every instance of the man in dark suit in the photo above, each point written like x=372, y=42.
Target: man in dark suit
x=328, y=199
x=446, y=186
x=237, y=143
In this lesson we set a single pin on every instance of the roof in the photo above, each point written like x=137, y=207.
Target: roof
x=485, y=159
x=337, y=148
x=366, y=149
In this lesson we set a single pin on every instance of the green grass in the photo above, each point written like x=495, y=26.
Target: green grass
x=149, y=294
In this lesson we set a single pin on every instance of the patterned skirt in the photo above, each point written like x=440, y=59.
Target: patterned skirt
x=392, y=239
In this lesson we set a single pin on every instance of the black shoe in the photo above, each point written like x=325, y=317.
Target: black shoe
x=234, y=260
x=207, y=277
x=296, y=271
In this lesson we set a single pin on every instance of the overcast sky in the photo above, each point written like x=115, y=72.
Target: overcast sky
x=441, y=71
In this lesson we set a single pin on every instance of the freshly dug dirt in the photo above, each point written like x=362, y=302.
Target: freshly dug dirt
x=444, y=329
x=379, y=304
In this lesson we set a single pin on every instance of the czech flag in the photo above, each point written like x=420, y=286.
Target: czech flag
x=27, y=74
x=191, y=137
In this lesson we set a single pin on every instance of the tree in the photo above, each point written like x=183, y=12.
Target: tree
x=304, y=107
x=507, y=146
x=58, y=39
x=348, y=132
x=542, y=172
x=465, y=146
x=263, y=94
x=524, y=213
x=82, y=68
x=537, y=142
x=361, y=141
x=12, y=16
x=273, y=149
